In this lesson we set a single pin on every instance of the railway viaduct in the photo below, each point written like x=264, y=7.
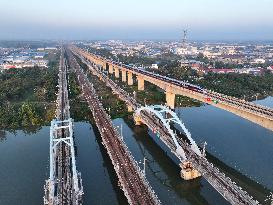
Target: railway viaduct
x=258, y=114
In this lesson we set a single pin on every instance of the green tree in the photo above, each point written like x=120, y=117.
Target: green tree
x=28, y=115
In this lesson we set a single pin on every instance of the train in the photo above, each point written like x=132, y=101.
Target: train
x=183, y=84
x=186, y=85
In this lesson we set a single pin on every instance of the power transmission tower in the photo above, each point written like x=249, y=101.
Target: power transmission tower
x=184, y=46
x=184, y=40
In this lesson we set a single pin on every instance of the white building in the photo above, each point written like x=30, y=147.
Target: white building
x=259, y=61
x=186, y=51
x=154, y=66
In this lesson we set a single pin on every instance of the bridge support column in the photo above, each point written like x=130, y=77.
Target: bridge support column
x=91, y=59
x=187, y=172
x=130, y=109
x=123, y=76
x=104, y=65
x=111, y=69
x=116, y=72
x=137, y=120
x=130, y=78
x=99, y=63
x=140, y=83
x=170, y=99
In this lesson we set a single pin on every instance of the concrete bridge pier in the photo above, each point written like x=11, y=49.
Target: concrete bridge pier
x=137, y=120
x=116, y=72
x=104, y=65
x=187, y=172
x=170, y=99
x=130, y=108
x=100, y=65
x=140, y=83
x=111, y=69
x=123, y=75
x=98, y=62
x=130, y=78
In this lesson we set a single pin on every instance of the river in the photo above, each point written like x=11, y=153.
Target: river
x=237, y=146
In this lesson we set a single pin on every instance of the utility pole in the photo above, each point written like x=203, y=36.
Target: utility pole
x=120, y=127
x=204, y=149
x=121, y=131
x=144, y=166
x=257, y=96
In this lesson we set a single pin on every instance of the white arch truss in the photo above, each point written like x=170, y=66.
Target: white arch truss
x=167, y=116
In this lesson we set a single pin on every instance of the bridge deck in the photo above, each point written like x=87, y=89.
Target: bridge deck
x=131, y=178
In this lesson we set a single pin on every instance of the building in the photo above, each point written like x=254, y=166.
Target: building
x=221, y=71
x=154, y=66
x=191, y=63
x=258, y=61
x=270, y=68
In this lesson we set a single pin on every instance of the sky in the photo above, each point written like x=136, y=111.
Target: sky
x=136, y=19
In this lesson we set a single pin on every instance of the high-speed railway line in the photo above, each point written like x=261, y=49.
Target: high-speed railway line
x=249, y=106
x=255, y=113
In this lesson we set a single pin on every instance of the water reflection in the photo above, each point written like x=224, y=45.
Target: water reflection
x=24, y=167
x=26, y=130
x=3, y=135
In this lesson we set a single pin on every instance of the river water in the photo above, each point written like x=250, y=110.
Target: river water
x=240, y=148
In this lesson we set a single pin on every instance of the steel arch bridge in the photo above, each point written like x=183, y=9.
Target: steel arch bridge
x=168, y=117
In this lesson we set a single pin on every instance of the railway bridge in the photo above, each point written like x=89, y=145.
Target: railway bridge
x=193, y=161
x=64, y=185
x=258, y=114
